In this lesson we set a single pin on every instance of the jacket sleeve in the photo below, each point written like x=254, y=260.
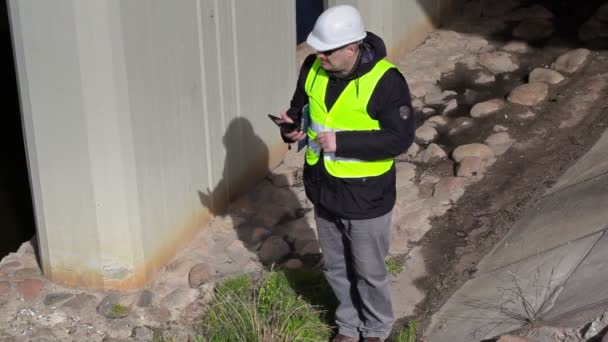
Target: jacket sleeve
x=299, y=98
x=389, y=104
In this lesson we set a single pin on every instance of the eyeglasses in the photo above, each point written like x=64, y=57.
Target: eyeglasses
x=328, y=53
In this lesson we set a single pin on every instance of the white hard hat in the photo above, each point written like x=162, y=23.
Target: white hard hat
x=336, y=27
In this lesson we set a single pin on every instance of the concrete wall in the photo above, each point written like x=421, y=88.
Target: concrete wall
x=403, y=24
x=134, y=112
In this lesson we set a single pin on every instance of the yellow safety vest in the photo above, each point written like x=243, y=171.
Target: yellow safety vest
x=349, y=113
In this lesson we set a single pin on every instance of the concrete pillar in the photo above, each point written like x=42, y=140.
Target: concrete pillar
x=79, y=142
x=127, y=108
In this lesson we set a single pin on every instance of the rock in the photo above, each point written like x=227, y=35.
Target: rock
x=451, y=187
x=470, y=167
x=534, y=29
x=500, y=128
x=53, y=319
x=293, y=264
x=428, y=111
x=591, y=30
x=420, y=89
x=474, y=44
x=426, y=134
x=472, y=150
x=459, y=125
x=120, y=330
x=436, y=98
x=602, y=12
x=29, y=289
x=450, y=107
x=5, y=289
x=142, y=333
x=53, y=298
x=529, y=94
x=259, y=234
x=412, y=151
x=499, y=142
x=418, y=105
x=469, y=61
x=526, y=115
x=532, y=12
x=498, y=62
x=304, y=248
x=433, y=153
x=179, y=299
x=438, y=122
x=484, y=78
x=200, y=274
x=405, y=173
x=273, y=249
x=546, y=76
x=471, y=96
x=282, y=177
x=571, y=61
x=238, y=253
x=498, y=8
x=145, y=298
x=115, y=306
x=80, y=302
x=516, y=47
x=486, y=108
x=158, y=315
x=26, y=273
x=511, y=338
x=427, y=186
x=592, y=329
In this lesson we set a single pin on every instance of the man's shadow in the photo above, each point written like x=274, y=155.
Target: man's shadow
x=270, y=218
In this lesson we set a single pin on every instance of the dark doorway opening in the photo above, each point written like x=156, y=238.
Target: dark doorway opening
x=307, y=12
x=17, y=223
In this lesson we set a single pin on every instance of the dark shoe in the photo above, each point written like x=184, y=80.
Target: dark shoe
x=373, y=339
x=344, y=338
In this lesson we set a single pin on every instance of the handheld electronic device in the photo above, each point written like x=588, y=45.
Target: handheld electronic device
x=287, y=126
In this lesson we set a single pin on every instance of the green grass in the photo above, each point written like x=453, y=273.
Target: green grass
x=394, y=266
x=408, y=333
x=119, y=311
x=267, y=311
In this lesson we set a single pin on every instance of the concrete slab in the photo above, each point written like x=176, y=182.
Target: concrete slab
x=593, y=164
x=503, y=300
x=404, y=292
x=560, y=218
x=587, y=285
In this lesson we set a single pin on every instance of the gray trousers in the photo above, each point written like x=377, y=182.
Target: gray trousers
x=354, y=253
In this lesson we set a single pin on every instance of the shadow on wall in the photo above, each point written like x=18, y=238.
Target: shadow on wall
x=269, y=219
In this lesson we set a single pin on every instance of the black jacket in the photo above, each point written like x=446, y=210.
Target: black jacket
x=370, y=197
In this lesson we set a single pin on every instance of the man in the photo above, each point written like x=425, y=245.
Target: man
x=360, y=119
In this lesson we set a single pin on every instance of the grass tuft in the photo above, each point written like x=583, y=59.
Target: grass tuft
x=394, y=266
x=408, y=333
x=268, y=311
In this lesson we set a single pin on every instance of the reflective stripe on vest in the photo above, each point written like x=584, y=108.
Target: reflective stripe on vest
x=349, y=113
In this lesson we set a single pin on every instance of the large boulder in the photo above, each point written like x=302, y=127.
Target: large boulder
x=472, y=150
x=499, y=62
x=529, y=94
x=545, y=75
x=571, y=61
x=486, y=108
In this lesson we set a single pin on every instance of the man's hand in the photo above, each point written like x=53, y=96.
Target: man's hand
x=327, y=140
x=295, y=135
